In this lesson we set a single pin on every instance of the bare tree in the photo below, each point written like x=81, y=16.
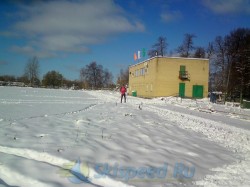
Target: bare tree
x=107, y=78
x=123, y=77
x=231, y=63
x=200, y=52
x=93, y=76
x=159, y=48
x=239, y=67
x=31, y=71
x=220, y=61
x=187, y=46
x=210, y=50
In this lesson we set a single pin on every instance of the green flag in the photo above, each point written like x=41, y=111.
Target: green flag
x=143, y=52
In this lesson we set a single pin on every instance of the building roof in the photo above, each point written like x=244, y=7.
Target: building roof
x=168, y=57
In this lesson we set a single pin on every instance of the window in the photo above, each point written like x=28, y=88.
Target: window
x=136, y=73
x=142, y=71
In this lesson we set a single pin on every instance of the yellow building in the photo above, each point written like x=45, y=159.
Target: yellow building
x=169, y=76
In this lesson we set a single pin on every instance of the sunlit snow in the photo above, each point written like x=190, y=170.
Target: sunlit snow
x=47, y=132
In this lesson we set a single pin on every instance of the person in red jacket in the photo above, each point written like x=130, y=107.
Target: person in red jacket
x=123, y=91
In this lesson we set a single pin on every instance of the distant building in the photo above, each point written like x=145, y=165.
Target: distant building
x=169, y=76
x=8, y=83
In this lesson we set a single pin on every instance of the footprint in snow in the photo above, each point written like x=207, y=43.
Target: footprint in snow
x=41, y=135
x=128, y=114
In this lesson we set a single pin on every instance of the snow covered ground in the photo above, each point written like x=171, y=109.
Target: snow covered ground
x=77, y=138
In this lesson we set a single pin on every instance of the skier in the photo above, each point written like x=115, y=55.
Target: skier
x=123, y=91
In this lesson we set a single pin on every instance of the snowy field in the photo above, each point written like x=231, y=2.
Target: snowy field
x=88, y=138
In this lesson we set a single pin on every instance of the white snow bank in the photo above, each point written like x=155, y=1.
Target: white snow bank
x=16, y=178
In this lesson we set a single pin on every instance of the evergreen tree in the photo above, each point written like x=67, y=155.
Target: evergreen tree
x=53, y=79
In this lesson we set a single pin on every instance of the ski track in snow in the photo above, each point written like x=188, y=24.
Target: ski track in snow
x=58, y=114
x=17, y=178
x=7, y=174
x=234, y=139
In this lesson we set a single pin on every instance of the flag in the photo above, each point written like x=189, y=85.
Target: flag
x=135, y=56
x=143, y=52
x=139, y=55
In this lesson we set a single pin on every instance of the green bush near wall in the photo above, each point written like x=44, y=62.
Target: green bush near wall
x=134, y=93
x=246, y=104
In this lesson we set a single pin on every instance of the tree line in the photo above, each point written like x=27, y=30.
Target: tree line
x=92, y=76
x=229, y=66
x=184, y=50
x=229, y=58
x=30, y=77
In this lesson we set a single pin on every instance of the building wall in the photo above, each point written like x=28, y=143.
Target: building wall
x=144, y=84
x=161, y=76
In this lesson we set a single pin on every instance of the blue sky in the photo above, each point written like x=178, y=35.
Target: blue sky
x=66, y=35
